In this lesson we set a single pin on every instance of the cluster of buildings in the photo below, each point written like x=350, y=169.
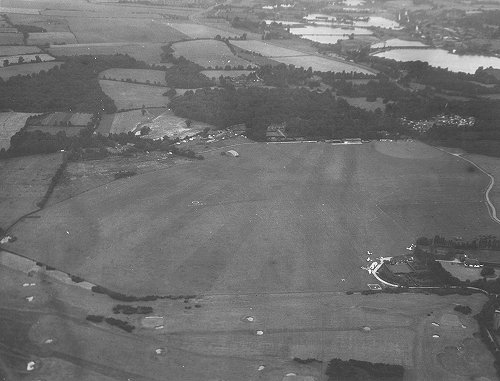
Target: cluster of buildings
x=422, y=126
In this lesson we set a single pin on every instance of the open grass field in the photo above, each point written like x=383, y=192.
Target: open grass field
x=75, y=119
x=97, y=29
x=297, y=58
x=11, y=38
x=10, y=123
x=24, y=182
x=364, y=104
x=135, y=75
x=26, y=69
x=130, y=95
x=204, y=31
x=51, y=38
x=16, y=50
x=173, y=126
x=492, y=166
x=280, y=218
x=49, y=23
x=208, y=53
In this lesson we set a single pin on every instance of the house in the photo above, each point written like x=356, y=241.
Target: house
x=469, y=262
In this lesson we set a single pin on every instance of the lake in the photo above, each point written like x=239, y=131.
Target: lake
x=327, y=35
x=374, y=21
x=442, y=58
x=396, y=42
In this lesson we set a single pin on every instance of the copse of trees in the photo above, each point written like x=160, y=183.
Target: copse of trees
x=355, y=370
x=71, y=86
x=307, y=113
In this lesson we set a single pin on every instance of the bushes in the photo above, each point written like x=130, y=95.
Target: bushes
x=130, y=298
x=95, y=318
x=126, y=326
x=339, y=370
x=466, y=310
x=53, y=182
x=130, y=310
x=122, y=174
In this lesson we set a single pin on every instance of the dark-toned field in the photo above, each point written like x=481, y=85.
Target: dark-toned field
x=280, y=218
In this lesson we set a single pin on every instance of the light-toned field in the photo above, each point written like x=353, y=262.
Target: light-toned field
x=28, y=11
x=364, y=104
x=11, y=38
x=56, y=118
x=135, y=75
x=208, y=53
x=24, y=182
x=16, y=50
x=204, y=31
x=129, y=30
x=10, y=123
x=297, y=58
x=50, y=24
x=280, y=218
x=26, y=69
x=225, y=73
x=174, y=127
x=51, y=38
x=130, y=95
x=27, y=58
x=124, y=122
x=464, y=273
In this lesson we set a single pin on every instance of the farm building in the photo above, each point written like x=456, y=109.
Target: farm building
x=233, y=153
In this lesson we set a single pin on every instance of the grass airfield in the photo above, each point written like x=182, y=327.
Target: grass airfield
x=280, y=218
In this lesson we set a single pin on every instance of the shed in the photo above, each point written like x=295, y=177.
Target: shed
x=233, y=153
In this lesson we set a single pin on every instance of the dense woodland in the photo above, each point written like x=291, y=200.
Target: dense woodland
x=307, y=113
x=73, y=86
x=355, y=370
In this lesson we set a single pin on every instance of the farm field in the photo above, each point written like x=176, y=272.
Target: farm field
x=147, y=52
x=130, y=95
x=124, y=122
x=51, y=38
x=204, y=31
x=24, y=182
x=69, y=131
x=10, y=123
x=27, y=58
x=50, y=24
x=75, y=119
x=208, y=53
x=17, y=50
x=11, y=38
x=135, y=75
x=129, y=30
x=26, y=69
x=280, y=218
x=297, y=58
x=226, y=73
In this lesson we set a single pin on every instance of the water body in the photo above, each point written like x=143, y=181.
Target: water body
x=396, y=42
x=327, y=35
x=374, y=21
x=442, y=58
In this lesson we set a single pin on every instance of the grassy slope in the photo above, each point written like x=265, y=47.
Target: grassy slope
x=279, y=218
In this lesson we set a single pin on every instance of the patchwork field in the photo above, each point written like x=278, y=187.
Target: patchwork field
x=136, y=75
x=26, y=58
x=26, y=69
x=130, y=95
x=10, y=123
x=129, y=30
x=208, y=53
x=297, y=58
x=51, y=38
x=280, y=218
x=24, y=182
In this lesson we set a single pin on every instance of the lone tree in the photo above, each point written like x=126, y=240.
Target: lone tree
x=188, y=123
x=487, y=271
